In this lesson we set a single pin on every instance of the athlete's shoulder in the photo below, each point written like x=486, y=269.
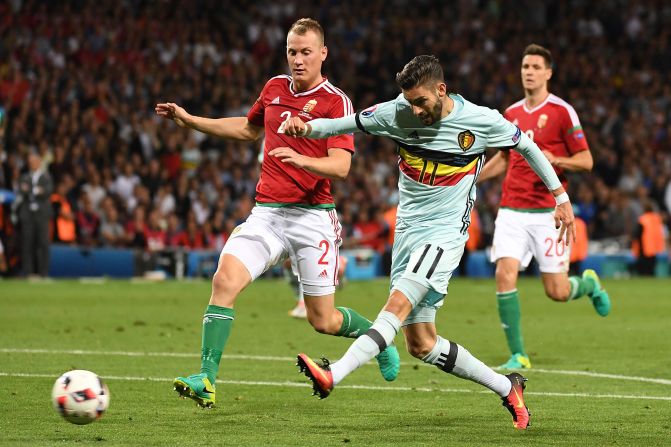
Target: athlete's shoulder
x=340, y=102
x=563, y=107
x=283, y=80
x=472, y=111
x=515, y=107
x=277, y=85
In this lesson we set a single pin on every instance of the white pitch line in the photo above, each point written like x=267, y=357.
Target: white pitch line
x=291, y=359
x=357, y=387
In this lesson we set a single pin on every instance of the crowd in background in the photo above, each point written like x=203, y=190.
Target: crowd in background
x=79, y=80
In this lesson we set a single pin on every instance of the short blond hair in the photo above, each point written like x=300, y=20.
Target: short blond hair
x=302, y=26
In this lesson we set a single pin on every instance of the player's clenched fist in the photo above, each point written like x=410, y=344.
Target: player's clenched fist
x=174, y=112
x=295, y=127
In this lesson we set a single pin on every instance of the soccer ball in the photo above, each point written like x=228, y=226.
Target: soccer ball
x=80, y=396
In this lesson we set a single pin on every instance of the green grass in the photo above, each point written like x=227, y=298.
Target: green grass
x=158, y=319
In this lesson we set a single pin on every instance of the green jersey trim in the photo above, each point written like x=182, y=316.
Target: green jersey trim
x=529, y=210
x=574, y=129
x=322, y=206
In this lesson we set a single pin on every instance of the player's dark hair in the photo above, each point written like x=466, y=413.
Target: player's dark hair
x=302, y=26
x=420, y=70
x=537, y=50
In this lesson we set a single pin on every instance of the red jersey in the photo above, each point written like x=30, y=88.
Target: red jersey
x=554, y=126
x=281, y=183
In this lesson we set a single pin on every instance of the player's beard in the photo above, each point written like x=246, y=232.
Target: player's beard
x=434, y=115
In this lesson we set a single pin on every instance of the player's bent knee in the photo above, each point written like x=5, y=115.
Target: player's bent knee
x=225, y=288
x=506, y=277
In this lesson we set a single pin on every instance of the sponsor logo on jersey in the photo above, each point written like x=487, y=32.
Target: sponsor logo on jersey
x=542, y=121
x=275, y=101
x=309, y=106
x=516, y=137
x=466, y=140
x=369, y=111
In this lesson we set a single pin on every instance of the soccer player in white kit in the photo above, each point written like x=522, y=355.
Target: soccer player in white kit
x=294, y=214
x=441, y=141
x=524, y=227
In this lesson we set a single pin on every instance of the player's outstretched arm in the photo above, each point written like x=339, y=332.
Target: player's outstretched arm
x=236, y=128
x=321, y=127
x=494, y=167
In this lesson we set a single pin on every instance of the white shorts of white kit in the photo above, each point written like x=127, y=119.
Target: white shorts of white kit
x=310, y=237
x=523, y=235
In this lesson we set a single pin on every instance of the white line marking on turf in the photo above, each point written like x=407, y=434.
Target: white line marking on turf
x=355, y=387
x=291, y=359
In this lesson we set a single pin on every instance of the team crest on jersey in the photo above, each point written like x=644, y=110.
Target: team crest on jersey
x=542, y=121
x=466, y=140
x=309, y=106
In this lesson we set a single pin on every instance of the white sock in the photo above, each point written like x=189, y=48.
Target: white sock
x=367, y=346
x=455, y=359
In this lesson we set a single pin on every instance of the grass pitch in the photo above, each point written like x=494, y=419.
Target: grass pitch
x=596, y=381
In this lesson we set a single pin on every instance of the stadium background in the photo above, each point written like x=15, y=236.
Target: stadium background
x=79, y=79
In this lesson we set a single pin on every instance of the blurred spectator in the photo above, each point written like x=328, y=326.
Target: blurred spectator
x=579, y=247
x=648, y=240
x=34, y=212
x=64, y=226
x=111, y=231
x=88, y=222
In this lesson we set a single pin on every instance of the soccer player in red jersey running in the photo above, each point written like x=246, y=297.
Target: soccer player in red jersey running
x=525, y=226
x=294, y=214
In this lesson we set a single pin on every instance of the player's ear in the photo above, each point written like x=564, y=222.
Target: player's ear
x=325, y=52
x=441, y=90
x=548, y=74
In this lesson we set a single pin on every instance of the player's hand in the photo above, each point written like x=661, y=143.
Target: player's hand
x=295, y=127
x=565, y=221
x=288, y=155
x=172, y=111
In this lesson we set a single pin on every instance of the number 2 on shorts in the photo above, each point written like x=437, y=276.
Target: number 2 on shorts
x=325, y=245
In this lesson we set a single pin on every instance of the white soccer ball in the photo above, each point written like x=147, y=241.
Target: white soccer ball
x=80, y=396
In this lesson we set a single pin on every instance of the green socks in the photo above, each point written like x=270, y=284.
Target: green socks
x=580, y=287
x=509, y=313
x=217, y=324
x=353, y=324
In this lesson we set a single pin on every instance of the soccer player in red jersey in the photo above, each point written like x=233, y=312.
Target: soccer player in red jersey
x=294, y=214
x=525, y=226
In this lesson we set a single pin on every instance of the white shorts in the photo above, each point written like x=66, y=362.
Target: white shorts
x=310, y=237
x=521, y=236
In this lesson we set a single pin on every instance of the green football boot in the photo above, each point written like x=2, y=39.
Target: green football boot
x=599, y=296
x=389, y=363
x=197, y=387
x=517, y=361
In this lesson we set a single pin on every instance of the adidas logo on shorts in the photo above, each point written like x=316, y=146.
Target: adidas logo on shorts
x=323, y=274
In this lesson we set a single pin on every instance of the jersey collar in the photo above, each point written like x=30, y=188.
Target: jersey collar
x=532, y=110
x=308, y=92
